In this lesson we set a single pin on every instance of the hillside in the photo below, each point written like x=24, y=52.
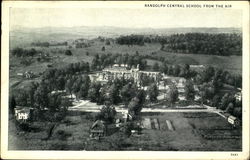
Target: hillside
x=25, y=36
x=56, y=54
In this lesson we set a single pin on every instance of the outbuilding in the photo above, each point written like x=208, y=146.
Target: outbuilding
x=98, y=129
x=233, y=120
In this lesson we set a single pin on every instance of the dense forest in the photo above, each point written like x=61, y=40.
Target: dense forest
x=195, y=43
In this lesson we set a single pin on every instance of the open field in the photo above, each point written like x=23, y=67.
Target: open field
x=58, y=59
x=192, y=132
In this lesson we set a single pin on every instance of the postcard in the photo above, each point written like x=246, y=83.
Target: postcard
x=125, y=80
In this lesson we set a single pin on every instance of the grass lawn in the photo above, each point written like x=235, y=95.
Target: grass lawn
x=188, y=135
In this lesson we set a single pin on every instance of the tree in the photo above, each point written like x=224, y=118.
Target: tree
x=107, y=42
x=107, y=114
x=216, y=101
x=164, y=68
x=176, y=70
x=60, y=83
x=41, y=96
x=113, y=94
x=95, y=62
x=207, y=74
x=94, y=92
x=224, y=101
x=31, y=93
x=84, y=87
x=153, y=92
x=103, y=49
x=128, y=92
x=173, y=94
x=230, y=108
x=21, y=97
x=69, y=86
x=189, y=91
x=238, y=112
x=156, y=67
x=77, y=86
x=137, y=103
x=134, y=107
x=12, y=104
x=68, y=52
x=141, y=95
x=18, y=52
x=54, y=102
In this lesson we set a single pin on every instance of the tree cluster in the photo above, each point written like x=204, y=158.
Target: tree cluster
x=196, y=43
x=41, y=44
x=217, y=77
x=204, y=43
x=130, y=40
x=20, y=52
x=47, y=44
x=104, y=60
x=40, y=97
x=107, y=114
x=177, y=70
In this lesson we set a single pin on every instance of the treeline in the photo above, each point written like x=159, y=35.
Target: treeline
x=195, y=43
x=104, y=60
x=175, y=70
x=20, y=52
x=203, y=43
x=47, y=44
x=131, y=40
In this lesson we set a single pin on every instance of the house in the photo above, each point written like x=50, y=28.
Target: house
x=127, y=117
x=29, y=74
x=98, y=129
x=23, y=114
x=233, y=120
x=20, y=74
x=118, y=122
x=238, y=96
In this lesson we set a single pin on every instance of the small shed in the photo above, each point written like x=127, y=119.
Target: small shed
x=233, y=120
x=98, y=129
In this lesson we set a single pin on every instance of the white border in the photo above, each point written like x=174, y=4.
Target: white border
x=243, y=5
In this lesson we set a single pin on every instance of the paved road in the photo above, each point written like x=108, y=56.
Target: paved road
x=80, y=107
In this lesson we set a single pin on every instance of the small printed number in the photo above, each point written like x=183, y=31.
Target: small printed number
x=234, y=154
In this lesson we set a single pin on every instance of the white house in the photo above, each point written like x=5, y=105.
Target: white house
x=22, y=113
x=233, y=120
x=238, y=96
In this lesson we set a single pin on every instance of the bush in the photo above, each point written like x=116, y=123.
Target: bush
x=92, y=117
x=23, y=126
x=68, y=53
x=58, y=116
x=26, y=62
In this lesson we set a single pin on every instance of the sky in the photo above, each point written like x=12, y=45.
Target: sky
x=124, y=17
